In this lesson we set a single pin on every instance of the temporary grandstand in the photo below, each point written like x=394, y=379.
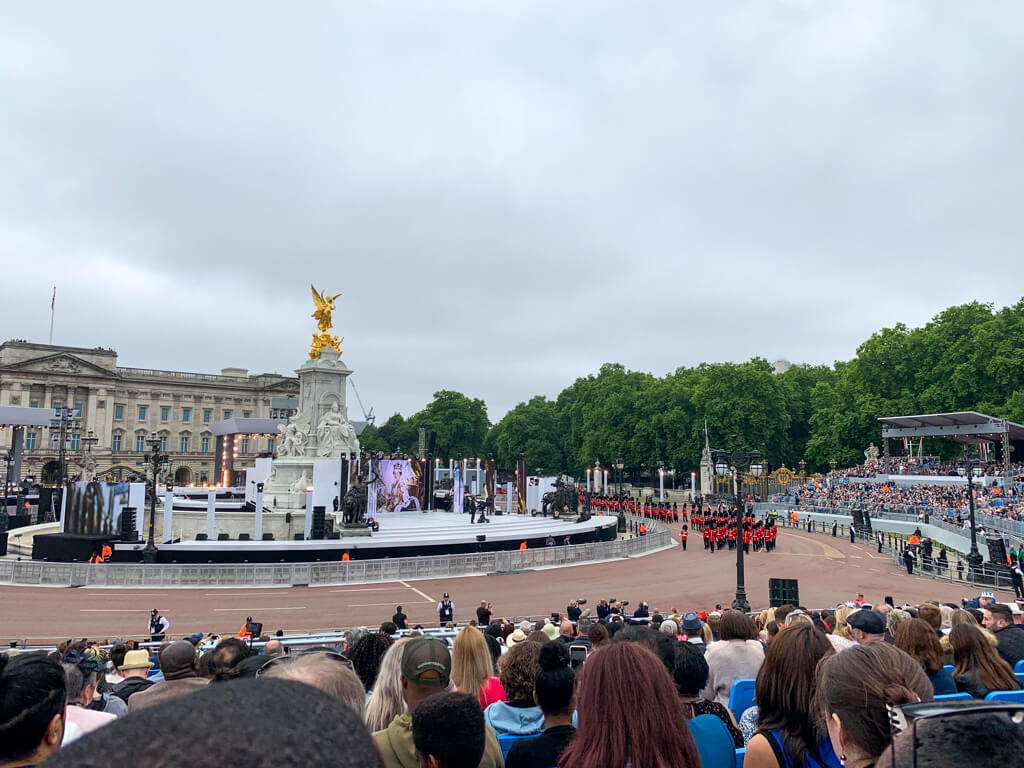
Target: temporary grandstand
x=971, y=427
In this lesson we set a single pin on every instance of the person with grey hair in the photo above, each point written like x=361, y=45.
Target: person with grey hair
x=893, y=619
x=320, y=670
x=670, y=628
x=82, y=677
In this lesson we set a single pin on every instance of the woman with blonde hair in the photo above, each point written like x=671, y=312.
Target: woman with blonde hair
x=842, y=613
x=386, y=702
x=956, y=618
x=473, y=667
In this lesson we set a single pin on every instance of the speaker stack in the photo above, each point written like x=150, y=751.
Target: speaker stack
x=3, y=533
x=128, y=532
x=318, y=528
x=783, y=592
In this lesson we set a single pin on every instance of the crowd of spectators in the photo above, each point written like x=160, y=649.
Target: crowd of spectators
x=616, y=690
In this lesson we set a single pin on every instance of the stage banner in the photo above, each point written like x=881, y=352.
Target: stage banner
x=491, y=468
x=325, y=484
x=521, y=486
x=371, y=496
x=399, y=486
x=458, y=488
x=95, y=508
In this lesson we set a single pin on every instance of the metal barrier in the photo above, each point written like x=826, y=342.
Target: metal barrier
x=36, y=573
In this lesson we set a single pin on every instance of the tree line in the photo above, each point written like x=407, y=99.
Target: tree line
x=968, y=357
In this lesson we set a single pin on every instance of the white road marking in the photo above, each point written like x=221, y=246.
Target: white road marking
x=425, y=596
x=113, y=610
x=128, y=594
x=260, y=608
x=378, y=605
x=244, y=594
x=368, y=589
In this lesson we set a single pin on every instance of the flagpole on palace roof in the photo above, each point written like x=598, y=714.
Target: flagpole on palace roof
x=53, y=303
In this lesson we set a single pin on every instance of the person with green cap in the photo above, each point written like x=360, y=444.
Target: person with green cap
x=426, y=670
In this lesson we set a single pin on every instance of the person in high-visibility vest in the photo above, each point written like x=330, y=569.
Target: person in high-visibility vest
x=522, y=546
x=107, y=551
x=345, y=557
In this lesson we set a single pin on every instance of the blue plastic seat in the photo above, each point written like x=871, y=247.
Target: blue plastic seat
x=1019, y=666
x=1020, y=678
x=741, y=697
x=949, y=668
x=506, y=742
x=713, y=740
x=740, y=755
x=1017, y=697
x=947, y=696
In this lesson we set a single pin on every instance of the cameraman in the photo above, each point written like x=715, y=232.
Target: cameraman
x=603, y=610
x=573, y=610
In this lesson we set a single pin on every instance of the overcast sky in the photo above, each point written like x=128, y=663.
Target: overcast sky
x=507, y=195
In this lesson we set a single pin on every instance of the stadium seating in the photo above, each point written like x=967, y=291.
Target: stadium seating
x=1019, y=666
x=949, y=696
x=506, y=742
x=713, y=740
x=1016, y=697
x=741, y=697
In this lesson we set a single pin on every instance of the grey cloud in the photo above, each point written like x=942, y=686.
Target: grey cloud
x=507, y=195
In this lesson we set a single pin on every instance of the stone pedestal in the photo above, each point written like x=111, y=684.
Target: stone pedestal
x=320, y=430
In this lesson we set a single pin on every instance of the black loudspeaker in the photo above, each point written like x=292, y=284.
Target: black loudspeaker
x=128, y=532
x=3, y=533
x=317, y=529
x=783, y=592
x=996, y=551
x=481, y=537
x=287, y=517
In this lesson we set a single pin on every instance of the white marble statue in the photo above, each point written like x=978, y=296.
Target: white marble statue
x=334, y=433
x=300, y=485
x=292, y=442
x=871, y=453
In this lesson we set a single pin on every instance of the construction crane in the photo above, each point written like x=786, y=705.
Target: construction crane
x=367, y=417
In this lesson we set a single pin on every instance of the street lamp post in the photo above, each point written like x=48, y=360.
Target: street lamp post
x=735, y=462
x=157, y=461
x=970, y=467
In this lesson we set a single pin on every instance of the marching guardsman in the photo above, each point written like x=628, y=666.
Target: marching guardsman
x=746, y=539
x=772, y=534
x=682, y=537
x=732, y=535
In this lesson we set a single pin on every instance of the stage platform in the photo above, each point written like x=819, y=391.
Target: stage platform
x=401, y=534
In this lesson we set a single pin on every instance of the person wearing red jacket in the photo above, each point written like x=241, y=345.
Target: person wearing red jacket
x=682, y=537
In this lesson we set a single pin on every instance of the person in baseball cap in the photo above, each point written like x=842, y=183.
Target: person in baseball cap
x=866, y=626
x=426, y=670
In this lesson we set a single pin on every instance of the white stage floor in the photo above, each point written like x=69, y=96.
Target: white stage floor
x=416, y=529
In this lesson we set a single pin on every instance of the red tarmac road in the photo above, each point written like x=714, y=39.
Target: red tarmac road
x=829, y=570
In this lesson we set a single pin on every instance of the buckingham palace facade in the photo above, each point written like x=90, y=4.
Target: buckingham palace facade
x=120, y=408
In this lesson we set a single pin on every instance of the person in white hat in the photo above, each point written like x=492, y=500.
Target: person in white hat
x=133, y=669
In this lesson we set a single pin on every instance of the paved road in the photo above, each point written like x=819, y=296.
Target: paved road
x=829, y=570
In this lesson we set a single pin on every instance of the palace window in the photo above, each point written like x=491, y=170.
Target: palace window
x=165, y=413
x=227, y=415
x=115, y=443
x=30, y=441
x=142, y=413
x=206, y=416
x=184, y=444
x=140, y=443
x=186, y=415
x=163, y=444
x=76, y=441
x=204, y=445
x=245, y=445
x=119, y=412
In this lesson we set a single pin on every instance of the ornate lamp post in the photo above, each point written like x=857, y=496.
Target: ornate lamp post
x=832, y=463
x=158, y=462
x=969, y=466
x=735, y=463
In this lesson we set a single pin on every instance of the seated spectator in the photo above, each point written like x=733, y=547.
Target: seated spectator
x=515, y=636
x=553, y=691
x=853, y=689
x=226, y=659
x=693, y=630
x=978, y=669
x=617, y=729
x=290, y=732
x=326, y=671
x=1010, y=637
x=893, y=619
x=426, y=670
x=271, y=649
x=866, y=626
x=954, y=740
x=784, y=690
x=960, y=616
x=670, y=629
x=82, y=676
x=736, y=656
x=919, y=639
x=539, y=637
x=659, y=644
x=366, y=654
x=386, y=701
x=33, y=700
x=448, y=731
x=519, y=714
x=932, y=614
x=180, y=666
x=598, y=636
x=567, y=635
x=133, y=669
x=473, y=667
x=690, y=675
x=116, y=658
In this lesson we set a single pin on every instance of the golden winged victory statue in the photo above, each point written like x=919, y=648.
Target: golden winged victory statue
x=324, y=340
